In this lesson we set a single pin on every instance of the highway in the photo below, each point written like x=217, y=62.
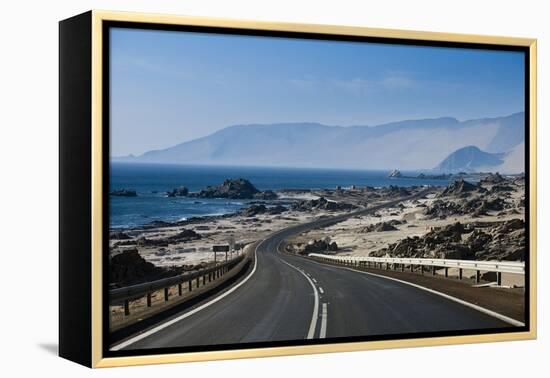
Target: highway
x=285, y=297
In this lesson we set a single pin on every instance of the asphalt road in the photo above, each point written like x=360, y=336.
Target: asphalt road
x=286, y=297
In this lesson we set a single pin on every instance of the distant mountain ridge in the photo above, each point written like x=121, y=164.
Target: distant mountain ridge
x=408, y=145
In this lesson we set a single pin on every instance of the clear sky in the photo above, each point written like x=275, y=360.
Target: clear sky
x=171, y=87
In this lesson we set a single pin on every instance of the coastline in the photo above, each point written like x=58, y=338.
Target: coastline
x=164, y=244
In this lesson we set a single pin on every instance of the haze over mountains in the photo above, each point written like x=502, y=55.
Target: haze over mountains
x=442, y=144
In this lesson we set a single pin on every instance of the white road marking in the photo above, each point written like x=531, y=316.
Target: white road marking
x=313, y=324
x=324, y=315
x=321, y=290
x=160, y=327
x=484, y=310
x=314, y=280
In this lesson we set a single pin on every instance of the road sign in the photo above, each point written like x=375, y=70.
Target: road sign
x=220, y=248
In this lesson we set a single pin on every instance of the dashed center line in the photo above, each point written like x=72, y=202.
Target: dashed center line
x=314, y=280
x=323, y=331
x=313, y=324
x=321, y=290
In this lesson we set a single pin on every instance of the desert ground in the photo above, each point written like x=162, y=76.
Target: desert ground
x=482, y=220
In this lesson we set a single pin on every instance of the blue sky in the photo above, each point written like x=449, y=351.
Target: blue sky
x=170, y=87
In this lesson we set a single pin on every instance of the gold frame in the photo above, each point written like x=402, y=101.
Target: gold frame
x=97, y=152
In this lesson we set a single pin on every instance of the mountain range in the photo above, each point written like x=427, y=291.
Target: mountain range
x=442, y=144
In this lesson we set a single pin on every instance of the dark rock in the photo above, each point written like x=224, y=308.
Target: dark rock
x=322, y=204
x=483, y=206
x=183, y=236
x=394, y=191
x=262, y=209
x=501, y=188
x=381, y=227
x=319, y=246
x=181, y=191
x=254, y=210
x=124, y=193
x=119, y=235
x=493, y=178
x=458, y=187
x=266, y=195
x=158, y=224
x=230, y=188
x=442, y=209
x=478, y=240
x=443, y=176
x=395, y=173
x=129, y=267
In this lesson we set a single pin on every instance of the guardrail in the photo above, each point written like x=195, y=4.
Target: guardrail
x=388, y=263
x=126, y=294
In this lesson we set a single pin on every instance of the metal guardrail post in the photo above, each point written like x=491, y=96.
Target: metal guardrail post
x=446, y=272
x=499, y=278
x=180, y=289
x=166, y=294
x=126, y=307
x=433, y=270
x=190, y=285
x=478, y=276
x=149, y=299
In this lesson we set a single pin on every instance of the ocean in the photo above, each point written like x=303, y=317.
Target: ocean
x=151, y=181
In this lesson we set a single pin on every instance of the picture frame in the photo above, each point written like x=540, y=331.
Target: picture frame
x=85, y=71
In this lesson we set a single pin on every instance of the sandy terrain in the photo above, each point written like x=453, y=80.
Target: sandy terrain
x=242, y=229
x=410, y=220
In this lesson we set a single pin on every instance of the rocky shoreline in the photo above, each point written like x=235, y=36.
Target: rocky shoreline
x=483, y=220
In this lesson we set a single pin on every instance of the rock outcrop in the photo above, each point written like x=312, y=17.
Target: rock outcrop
x=257, y=209
x=124, y=193
x=129, y=268
x=459, y=187
x=183, y=236
x=322, y=204
x=319, y=246
x=181, y=191
x=119, y=235
x=493, y=178
x=395, y=173
x=477, y=207
x=230, y=188
x=481, y=241
x=383, y=226
x=266, y=195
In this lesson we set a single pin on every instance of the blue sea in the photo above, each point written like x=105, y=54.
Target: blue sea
x=151, y=181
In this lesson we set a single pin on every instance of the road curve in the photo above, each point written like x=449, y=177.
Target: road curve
x=289, y=298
